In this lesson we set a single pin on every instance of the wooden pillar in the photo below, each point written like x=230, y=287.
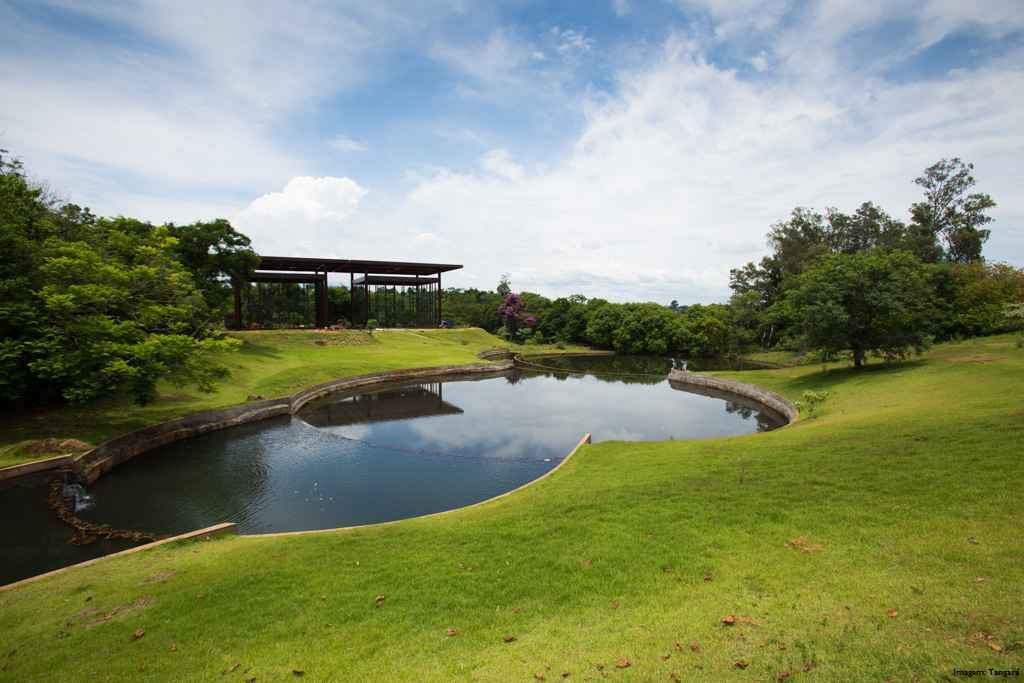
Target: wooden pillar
x=439, y=317
x=321, y=302
x=237, y=287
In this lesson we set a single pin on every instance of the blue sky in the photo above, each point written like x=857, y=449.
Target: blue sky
x=624, y=149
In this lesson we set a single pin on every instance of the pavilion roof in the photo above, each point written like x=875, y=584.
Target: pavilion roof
x=331, y=265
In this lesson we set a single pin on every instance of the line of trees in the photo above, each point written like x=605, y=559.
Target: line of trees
x=863, y=283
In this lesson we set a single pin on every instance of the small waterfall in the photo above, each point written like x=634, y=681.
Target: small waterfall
x=78, y=497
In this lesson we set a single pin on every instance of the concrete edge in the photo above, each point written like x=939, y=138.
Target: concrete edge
x=281, y=534
x=764, y=397
x=208, y=532
x=14, y=471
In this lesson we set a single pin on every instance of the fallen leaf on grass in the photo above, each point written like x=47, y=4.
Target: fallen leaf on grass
x=995, y=647
x=379, y=600
x=587, y=564
x=623, y=663
x=452, y=632
x=298, y=673
x=708, y=578
x=508, y=639
x=566, y=674
x=138, y=633
x=728, y=620
x=673, y=676
x=615, y=604
x=233, y=668
x=695, y=647
x=174, y=648
x=666, y=657
x=892, y=614
x=783, y=675
x=808, y=665
x=538, y=677
x=741, y=664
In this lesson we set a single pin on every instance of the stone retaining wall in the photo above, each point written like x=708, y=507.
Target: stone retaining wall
x=93, y=464
x=755, y=393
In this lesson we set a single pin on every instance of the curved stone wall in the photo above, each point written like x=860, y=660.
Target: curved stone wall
x=93, y=464
x=766, y=398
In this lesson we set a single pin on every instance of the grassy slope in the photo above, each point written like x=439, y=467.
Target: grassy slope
x=909, y=481
x=270, y=364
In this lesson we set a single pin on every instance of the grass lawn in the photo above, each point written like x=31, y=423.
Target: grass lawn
x=269, y=364
x=879, y=541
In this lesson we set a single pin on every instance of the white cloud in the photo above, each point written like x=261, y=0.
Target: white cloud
x=676, y=180
x=760, y=62
x=310, y=216
x=500, y=163
x=621, y=7
x=343, y=143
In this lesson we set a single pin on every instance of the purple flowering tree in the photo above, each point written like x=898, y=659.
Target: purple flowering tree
x=513, y=310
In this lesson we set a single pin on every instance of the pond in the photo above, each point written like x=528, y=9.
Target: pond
x=382, y=455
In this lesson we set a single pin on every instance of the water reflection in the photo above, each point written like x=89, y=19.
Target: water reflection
x=383, y=455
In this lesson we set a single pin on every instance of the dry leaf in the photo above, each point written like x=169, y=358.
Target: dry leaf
x=892, y=613
x=615, y=604
x=695, y=647
x=783, y=675
x=996, y=647
x=674, y=676
x=566, y=674
x=587, y=564
x=666, y=657
x=678, y=646
x=452, y=632
x=741, y=664
x=508, y=639
x=174, y=648
x=707, y=578
x=298, y=672
x=379, y=600
x=138, y=633
x=622, y=663
x=728, y=620
x=539, y=677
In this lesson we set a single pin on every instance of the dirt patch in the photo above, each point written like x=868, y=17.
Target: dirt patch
x=344, y=338
x=93, y=616
x=160, y=577
x=55, y=446
x=802, y=544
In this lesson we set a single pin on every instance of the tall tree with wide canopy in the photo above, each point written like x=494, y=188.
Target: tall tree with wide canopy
x=866, y=302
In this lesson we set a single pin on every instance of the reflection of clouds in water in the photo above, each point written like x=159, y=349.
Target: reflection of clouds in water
x=543, y=416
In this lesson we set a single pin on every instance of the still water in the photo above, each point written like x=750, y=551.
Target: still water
x=377, y=456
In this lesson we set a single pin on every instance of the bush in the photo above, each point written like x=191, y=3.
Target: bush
x=371, y=324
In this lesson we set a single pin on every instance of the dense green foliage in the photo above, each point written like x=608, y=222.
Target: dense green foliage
x=872, y=301
x=92, y=306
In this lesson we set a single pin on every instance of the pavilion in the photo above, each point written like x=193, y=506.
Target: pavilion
x=403, y=293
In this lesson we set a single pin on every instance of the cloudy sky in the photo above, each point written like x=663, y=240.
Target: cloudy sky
x=632, y=150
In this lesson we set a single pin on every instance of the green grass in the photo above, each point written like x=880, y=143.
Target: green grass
x=909, y=482
x=269, y=364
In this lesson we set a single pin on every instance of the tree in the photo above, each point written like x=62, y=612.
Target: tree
x=504, y=287
x=216, y=255
x=950, y=212
x=866, y=302
x=90, y=307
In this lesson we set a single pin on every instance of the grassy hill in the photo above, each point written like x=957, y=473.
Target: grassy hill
x=880, y=540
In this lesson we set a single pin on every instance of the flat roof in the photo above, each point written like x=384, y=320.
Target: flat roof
x=399, y=280
x=336, y=265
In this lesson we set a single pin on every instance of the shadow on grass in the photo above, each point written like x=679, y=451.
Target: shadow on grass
x=831, y=377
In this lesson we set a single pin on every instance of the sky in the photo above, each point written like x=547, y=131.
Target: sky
x=630, y=150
